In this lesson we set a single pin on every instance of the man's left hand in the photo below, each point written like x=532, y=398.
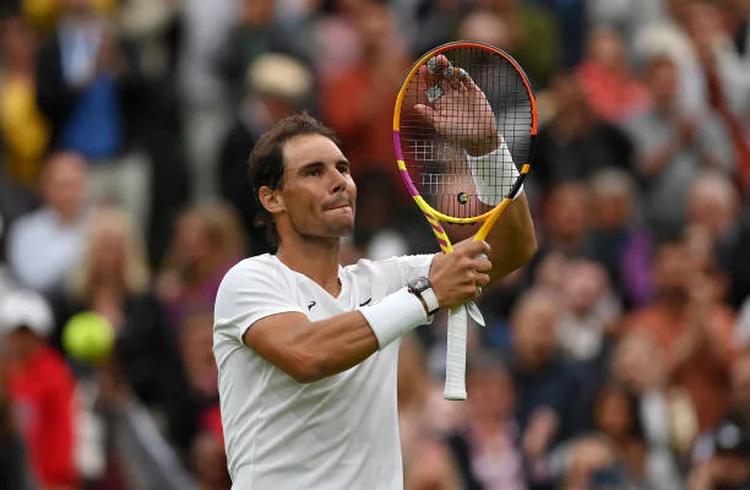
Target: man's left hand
x=461, y=112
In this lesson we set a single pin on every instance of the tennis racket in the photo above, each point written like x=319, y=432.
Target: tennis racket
x=464, y=126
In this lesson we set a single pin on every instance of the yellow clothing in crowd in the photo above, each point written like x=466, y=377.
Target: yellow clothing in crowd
x=25, y=132
x=43, y=14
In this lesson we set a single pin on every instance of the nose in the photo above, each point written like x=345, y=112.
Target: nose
x=338, y=182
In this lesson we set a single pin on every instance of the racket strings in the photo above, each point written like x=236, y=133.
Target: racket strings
x=438, y=166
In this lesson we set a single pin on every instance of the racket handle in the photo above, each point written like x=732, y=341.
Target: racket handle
x=455, y=358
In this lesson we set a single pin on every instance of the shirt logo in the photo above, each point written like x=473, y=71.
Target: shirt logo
x=310, y=305
x=367, y=302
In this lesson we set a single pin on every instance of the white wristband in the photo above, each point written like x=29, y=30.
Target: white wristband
x=494, y=174
x=395, y=315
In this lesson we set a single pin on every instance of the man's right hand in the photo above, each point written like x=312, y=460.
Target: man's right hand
x=458, y=277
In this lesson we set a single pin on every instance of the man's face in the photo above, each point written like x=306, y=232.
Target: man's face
x=318, y=191
x=673, y=270
x=534, y=330
x=663, y=81
x=64, y=184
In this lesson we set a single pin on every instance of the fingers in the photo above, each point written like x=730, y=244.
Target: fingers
x=439, y=71
x=473, y=248
x=481, y=280
x=426, y=112
x=482, y=265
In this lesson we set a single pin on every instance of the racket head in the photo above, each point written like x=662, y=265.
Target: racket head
x=434, y=167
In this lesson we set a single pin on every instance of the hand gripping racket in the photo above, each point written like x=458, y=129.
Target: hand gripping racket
x=464, y=126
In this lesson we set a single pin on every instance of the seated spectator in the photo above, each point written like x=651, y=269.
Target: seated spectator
x=112, y=279
x=487, y=449
x=605, y=76
x=25, y=132
x=713, y=205
x=424, y=419
x=566, y=228
x=209, y=462
x=728, y=435
x=591, y=312
x=672, y=147
x=44, y=245
x=576, y=143
x=191, y=395
x=619, y=240
x=692, y=329
x=89, y=88
x=41, y=388
x=548, y=390
x=207, y=241
x=617, y=417
x=591, y=463
x=667, y=414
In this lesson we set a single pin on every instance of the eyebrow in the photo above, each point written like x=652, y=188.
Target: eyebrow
x=310, y=166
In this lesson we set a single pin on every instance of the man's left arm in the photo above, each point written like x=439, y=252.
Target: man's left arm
x=512, y=239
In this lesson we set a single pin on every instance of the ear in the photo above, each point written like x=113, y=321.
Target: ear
x=271, y=199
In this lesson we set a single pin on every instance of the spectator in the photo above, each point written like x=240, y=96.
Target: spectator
x=209, y=463
x=424, y=419
x=612, y=90
x=87, y=83
x=112, y=279
x=617, y=417
x=259, y=31
x=636, y=367
x=207, y=241
x=488, y=447
x=548, y=390
x=352, y=102
x=535, y=37
x=204, y=98
x=25, y=132
x=672, y=147
x=576, y=143
x=276, y=85
x=712, y=208
x=43, y=246
x=191, y=396
x=619, y=241
x=692, y=329
x=41, y=388
x=591, y=312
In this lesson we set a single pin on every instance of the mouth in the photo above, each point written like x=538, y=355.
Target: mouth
x=338, y=205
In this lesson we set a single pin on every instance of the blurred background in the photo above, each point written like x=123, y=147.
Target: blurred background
x=618, y=358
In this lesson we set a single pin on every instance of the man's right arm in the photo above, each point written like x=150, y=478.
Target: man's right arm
x=309, y=351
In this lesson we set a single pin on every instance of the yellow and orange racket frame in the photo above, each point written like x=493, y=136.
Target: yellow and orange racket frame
x=456, y=354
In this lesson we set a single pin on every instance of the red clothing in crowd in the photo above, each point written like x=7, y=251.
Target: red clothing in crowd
x=614, y=96
x=42, y=392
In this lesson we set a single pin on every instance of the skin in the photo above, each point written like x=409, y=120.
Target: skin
x=315, y=207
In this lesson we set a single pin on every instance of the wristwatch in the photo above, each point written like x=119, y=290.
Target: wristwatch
x=422, y=288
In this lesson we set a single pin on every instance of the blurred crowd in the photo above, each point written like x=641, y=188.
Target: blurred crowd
x=618, y=358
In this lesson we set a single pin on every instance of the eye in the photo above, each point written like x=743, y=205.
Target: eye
x=344, y=168
x=315, y=172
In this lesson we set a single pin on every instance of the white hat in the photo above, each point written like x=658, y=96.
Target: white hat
x=25, y=308
x=280, y=75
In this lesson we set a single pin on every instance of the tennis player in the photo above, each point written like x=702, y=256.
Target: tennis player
x=306, y=349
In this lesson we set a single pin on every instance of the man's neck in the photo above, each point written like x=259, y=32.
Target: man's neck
x=316, y=259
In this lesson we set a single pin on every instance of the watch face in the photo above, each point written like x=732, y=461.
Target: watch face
x=420, y=284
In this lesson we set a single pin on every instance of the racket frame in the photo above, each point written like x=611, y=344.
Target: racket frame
x=455, y=382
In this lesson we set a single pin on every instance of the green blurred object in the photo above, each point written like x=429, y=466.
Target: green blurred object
x=88, y=337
